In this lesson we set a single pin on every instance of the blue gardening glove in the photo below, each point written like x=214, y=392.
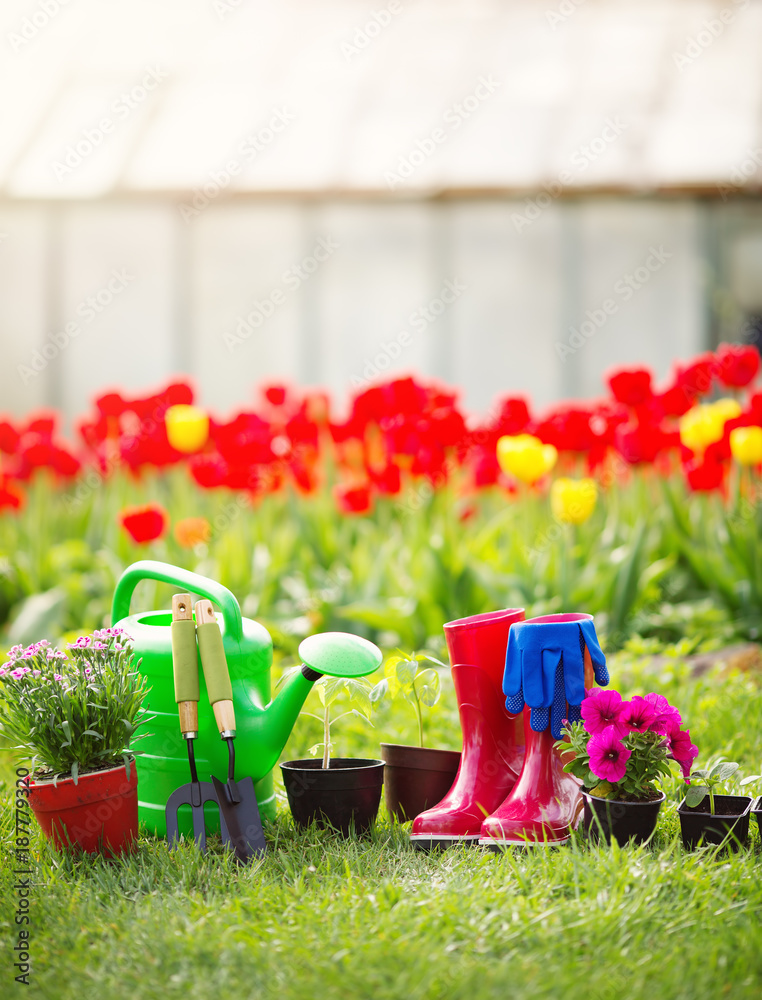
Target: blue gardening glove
x=545, y=669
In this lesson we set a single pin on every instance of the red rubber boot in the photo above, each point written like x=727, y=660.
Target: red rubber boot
x=546, y=803
x=492, y=739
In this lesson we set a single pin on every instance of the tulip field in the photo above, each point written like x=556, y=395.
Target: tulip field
x=642, y=507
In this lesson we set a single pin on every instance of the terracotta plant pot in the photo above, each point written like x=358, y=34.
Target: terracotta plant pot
x=624, y=821
x=346, y=794
x=416, y=778
x=730, y=821
x=98, y=815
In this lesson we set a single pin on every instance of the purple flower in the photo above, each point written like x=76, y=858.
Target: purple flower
x=603, y=709
x=55, y=654
x=57, y=677
x=82, y=643
x=88, y=671
x=681, y=748
x=36, y=673
x=15, y=652
x=666, y=715
x=3, y=671
x=638, y=714
x=99, y=645
x=18, y=673
x=608, y=755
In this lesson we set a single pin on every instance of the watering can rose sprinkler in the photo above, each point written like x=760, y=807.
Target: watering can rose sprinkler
x=263, y=724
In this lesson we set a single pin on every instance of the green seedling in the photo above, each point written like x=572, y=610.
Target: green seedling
x=329, y=690
x=402, y=675
x=706, y=781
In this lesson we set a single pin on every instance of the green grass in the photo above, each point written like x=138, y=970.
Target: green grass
x=328, y=918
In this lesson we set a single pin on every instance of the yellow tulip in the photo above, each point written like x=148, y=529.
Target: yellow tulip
x=187, y=427
x=746, y=445
x=525, y=457
x=573, y=500
x=705, y=424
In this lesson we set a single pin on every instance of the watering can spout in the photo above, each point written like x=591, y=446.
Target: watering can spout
x=277, y=720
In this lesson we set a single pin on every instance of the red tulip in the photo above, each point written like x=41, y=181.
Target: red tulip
x=352, y=499
x=640, y=443
x=697, y=377
x=208, y=470
x=178, y=394
x=10, y=498
x=145, y=523
x=737, y=366
x=110, y=404
x=676, y=401
x=64, y=463
x=631, y=386
x=43, y=425
x=275, y=394
x=388, y=480
x=513, y=416
x=9, y=438
x=706, y=475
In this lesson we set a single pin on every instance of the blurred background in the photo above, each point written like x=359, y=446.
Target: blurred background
x=511, y=195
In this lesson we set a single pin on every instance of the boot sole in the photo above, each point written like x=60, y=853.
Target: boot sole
x=424, y=843
x=496, y=846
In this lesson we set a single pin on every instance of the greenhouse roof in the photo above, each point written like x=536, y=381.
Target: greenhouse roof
x=401, y=97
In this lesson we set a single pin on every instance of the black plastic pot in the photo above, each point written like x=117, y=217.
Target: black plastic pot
x=624, y=821
x=345, y=794
x=416, y=778
x=731, y=816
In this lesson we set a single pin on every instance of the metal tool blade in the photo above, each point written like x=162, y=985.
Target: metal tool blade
x=242, y=820
x=183, y=796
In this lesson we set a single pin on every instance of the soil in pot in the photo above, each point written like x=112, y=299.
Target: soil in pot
x=98, y=815
x=624, y=821
x=416, y=778
x=345, y=795
x=730, y=820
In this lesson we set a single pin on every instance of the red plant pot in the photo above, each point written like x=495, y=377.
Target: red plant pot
x=98, y=815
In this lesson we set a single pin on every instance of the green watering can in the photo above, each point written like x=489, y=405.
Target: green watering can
x=263, y=725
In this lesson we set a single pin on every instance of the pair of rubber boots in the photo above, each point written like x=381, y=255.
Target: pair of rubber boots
x=511, y=788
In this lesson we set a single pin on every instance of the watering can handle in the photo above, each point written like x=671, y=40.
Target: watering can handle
x=151, y=569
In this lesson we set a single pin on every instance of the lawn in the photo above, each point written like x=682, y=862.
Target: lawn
x=327, y=917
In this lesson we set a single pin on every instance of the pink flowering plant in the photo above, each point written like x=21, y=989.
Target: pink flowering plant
x=73, y=711
x=622, y=748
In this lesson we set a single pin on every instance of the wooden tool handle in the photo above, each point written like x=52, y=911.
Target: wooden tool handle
x=215, y=666
x=185, y=662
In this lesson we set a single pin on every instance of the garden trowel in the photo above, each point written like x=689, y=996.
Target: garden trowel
x=185, y=669
x=238, y=801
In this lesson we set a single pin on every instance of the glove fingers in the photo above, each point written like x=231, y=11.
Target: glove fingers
x=596, y=653
x=539, y=720
x=512, y=685
x=558, y=713
x=514, y=703
x=574, y=670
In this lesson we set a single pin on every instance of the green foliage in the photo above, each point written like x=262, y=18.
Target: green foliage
x=72, y=714
x=708, y=780
x=646, y=765
x=402, y=675
x=349, y=690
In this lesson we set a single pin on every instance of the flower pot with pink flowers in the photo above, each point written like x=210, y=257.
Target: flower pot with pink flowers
x=621, y=750
x=73, y=714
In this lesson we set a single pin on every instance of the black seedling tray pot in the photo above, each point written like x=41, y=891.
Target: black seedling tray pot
x=730, y=821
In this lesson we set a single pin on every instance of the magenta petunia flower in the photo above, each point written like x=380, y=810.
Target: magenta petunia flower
x=681, y=748
x=666, y=715
x=602, y=710
x=608, y=755
x=638, y=714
